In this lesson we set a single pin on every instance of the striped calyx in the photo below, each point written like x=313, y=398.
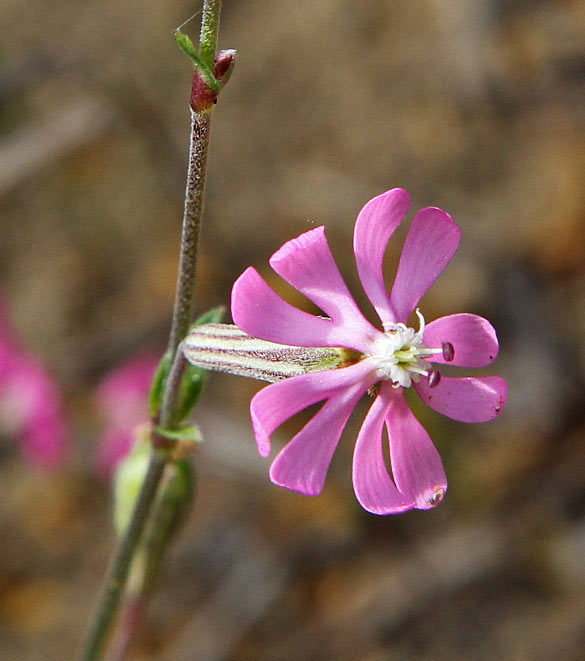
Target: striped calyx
x=227, y=348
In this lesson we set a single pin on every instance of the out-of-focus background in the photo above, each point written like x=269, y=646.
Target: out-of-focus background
x=475, y=106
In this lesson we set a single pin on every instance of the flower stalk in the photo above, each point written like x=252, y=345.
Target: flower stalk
x=118, y=571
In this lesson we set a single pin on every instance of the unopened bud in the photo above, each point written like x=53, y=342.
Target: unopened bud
x=224, y=65
x=203, y=95
x=128, y=481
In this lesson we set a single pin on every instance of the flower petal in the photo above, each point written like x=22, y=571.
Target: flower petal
x=115, y=445
x=303, y=463
x=374, y=226
x=466, y=399
x=416, y=464
x=45, y=439
x=122, y=395
x=473, y=338
x=262, y=313
x=280, y=401
x=372, y=484
x=431, y=242
x=307, y=264
x=37, y=407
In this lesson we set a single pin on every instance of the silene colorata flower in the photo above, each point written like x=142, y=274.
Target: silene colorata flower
x=31, y=403
x=122, y=401
x=381, y=361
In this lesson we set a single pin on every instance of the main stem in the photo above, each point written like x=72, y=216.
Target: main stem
x=209, y=31
x=119, y=567
x=192, y=213
x=118, y=570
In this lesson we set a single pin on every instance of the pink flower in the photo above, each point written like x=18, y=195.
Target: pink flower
x=31, y=406
x=391, y=359
x=122, y=400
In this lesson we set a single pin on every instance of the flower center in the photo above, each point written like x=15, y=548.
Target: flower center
x=400, y=355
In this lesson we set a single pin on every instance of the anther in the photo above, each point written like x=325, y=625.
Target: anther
x=434, y=378
x=448, y=351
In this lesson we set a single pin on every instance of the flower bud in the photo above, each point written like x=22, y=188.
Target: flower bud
x=128, y=481
x=175, y=494
x=203, y=94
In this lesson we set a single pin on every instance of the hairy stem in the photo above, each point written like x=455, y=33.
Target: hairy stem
x=209, y=31
x=118, y=570
x=172, y=386
x=192, y=213
x=195, y=188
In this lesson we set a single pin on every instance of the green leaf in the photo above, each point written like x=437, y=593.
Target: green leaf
x=213, y=316
x=188, y=47
x=194, y=377
x=157, y=388
x=189, y=433
x=190, y=390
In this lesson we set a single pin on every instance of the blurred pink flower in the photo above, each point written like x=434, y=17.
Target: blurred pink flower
x=122, y=400
x=390, y=360
x=31, y=405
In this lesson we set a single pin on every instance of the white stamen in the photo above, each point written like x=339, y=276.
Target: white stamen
x=400, y=356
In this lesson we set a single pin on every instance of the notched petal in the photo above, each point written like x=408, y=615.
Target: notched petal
x=374, y=226
x=416, y=464
x=373, y=486
x=467, y=399
x=473, y=339
x=303, y=463
x=276, y=403
x=261, y=312
x=431, y=243
x=307, y=264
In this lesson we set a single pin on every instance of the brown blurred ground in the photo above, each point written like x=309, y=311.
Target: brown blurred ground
x=476, y=107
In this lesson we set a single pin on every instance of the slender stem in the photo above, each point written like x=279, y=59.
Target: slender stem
x=195, y=189
x=209, y=31
x=118, y=570
x=134, y=612
x=168, y=407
